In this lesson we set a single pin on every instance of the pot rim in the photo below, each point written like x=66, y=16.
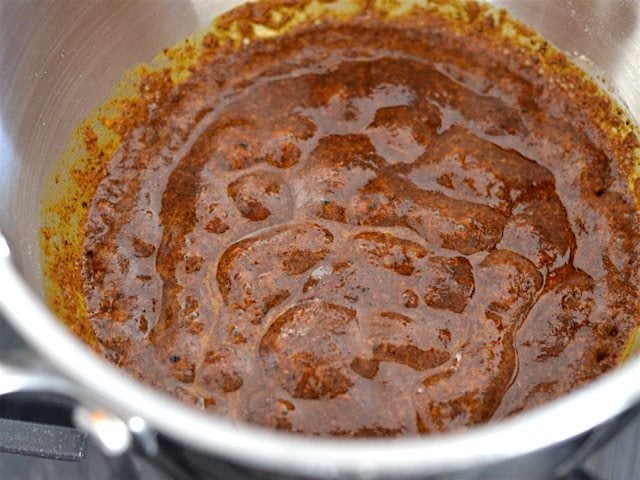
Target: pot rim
x=533, y=430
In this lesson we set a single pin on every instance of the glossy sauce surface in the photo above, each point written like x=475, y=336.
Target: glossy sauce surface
x=363, y=230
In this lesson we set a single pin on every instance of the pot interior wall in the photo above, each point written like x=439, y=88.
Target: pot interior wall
x=61, y=59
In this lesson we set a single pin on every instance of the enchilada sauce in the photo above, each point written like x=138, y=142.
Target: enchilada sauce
x=364, y=229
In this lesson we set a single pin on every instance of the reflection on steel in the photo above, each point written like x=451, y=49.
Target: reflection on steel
x=4, y=248
x=111, y=433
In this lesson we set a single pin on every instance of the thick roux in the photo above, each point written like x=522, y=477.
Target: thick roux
x=362, y=230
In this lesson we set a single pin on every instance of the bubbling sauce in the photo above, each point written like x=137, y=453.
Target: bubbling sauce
x=364, y=228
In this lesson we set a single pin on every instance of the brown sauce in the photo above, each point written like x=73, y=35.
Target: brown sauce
x=364, y=228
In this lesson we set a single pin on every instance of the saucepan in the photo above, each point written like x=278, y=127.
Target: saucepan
x=58, y=61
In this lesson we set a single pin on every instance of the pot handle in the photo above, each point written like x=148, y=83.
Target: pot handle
x=16, y=379
x=121, y=441
x=42, y=440
x=113, y=435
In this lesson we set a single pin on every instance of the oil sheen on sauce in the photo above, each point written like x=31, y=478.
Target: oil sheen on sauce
x=363, y=229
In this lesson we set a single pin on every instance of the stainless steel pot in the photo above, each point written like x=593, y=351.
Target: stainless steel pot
x=58, y=60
